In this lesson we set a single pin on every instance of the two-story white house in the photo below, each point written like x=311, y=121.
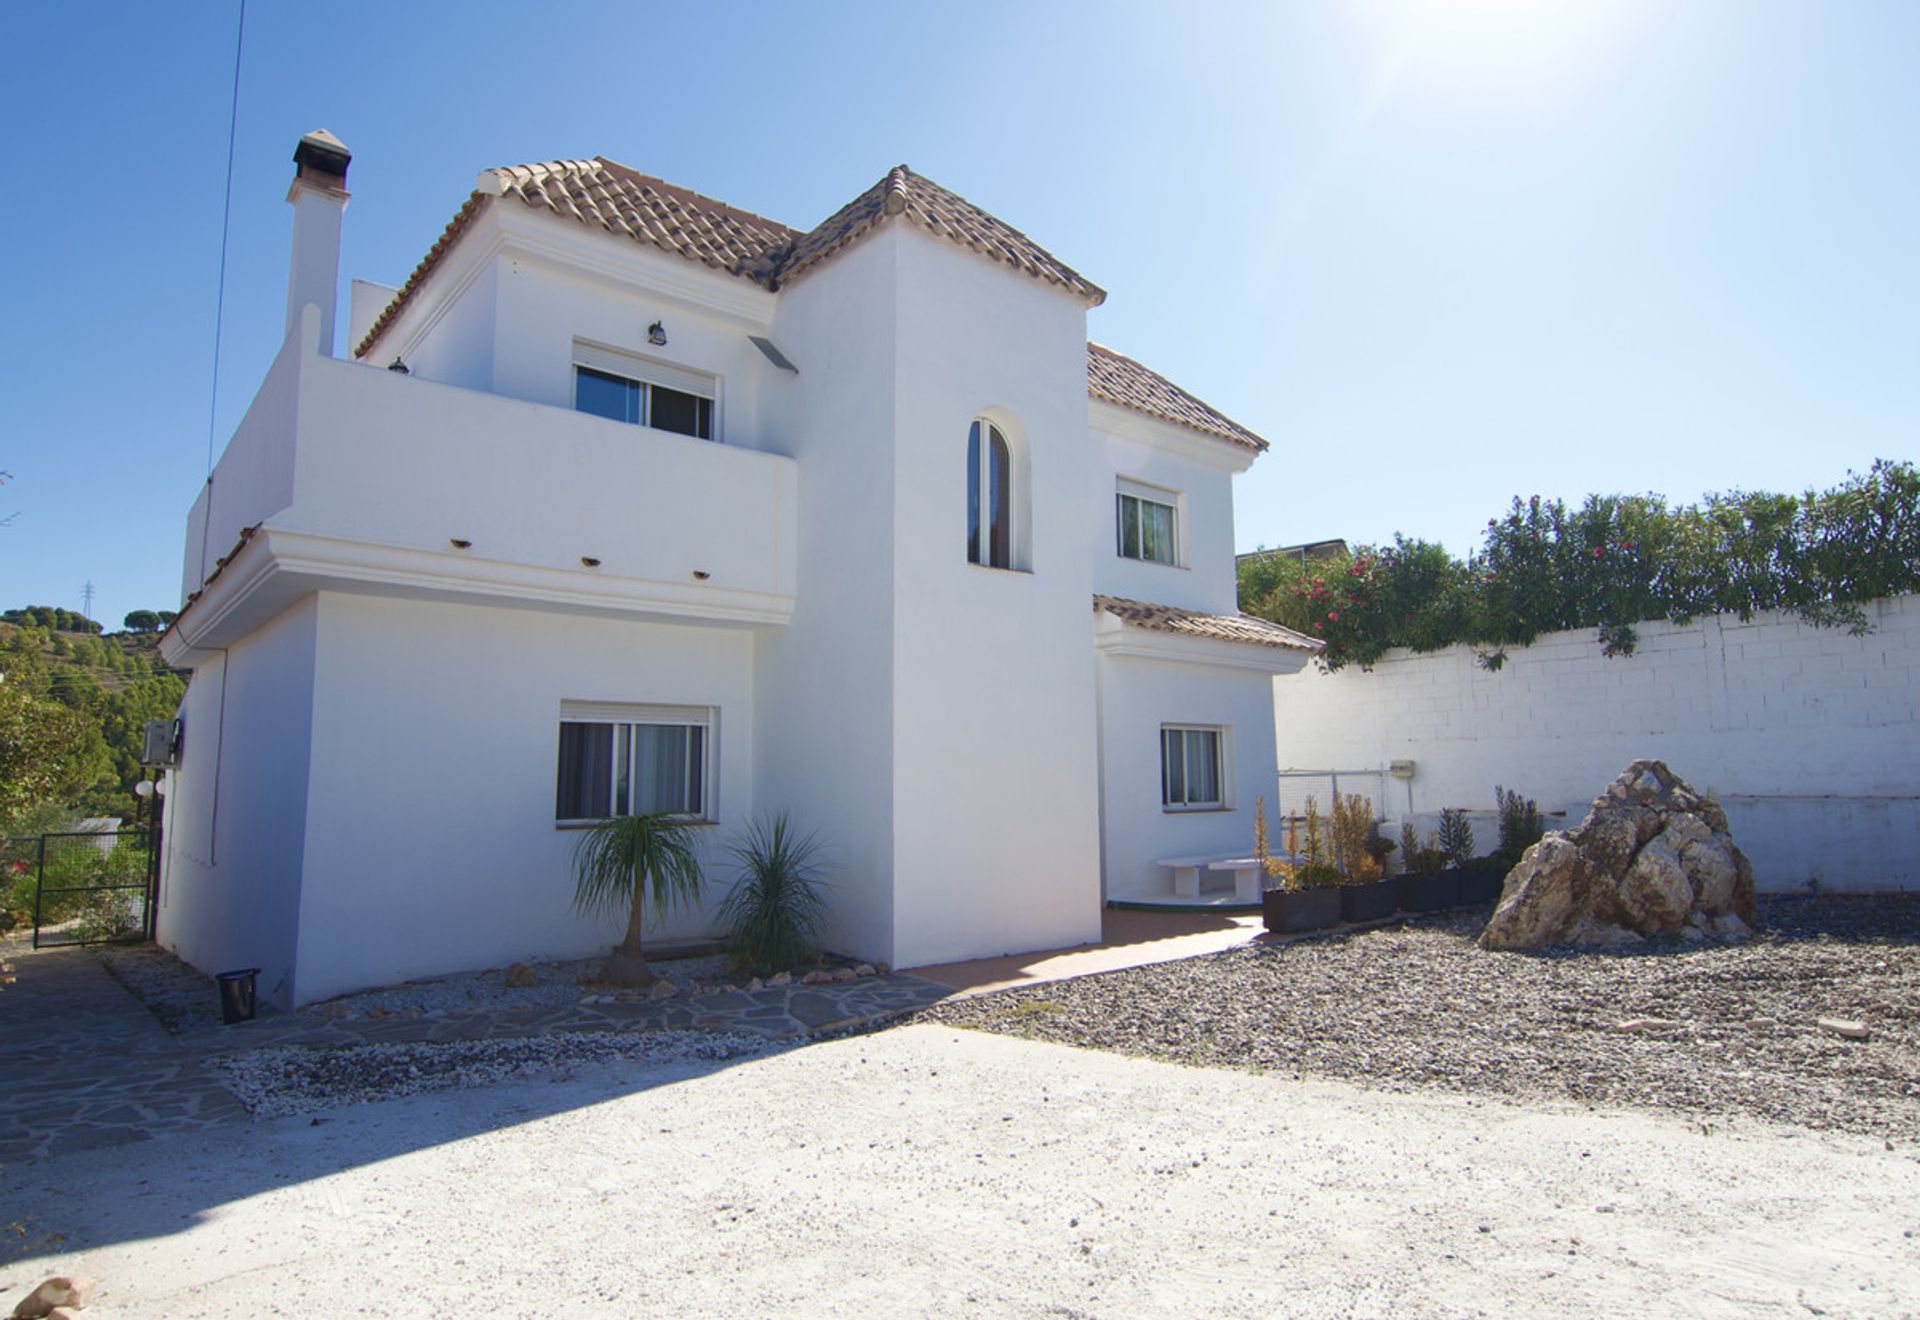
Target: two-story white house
x=629, y=500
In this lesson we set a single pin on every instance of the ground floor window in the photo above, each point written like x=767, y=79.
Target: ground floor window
x=1190, y=768
x=633, y=760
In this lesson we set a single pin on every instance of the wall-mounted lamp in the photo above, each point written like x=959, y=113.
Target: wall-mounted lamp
x=399, y=368
x=460, y=543
x=589, y=561
x=657, y=335
x=701, y=575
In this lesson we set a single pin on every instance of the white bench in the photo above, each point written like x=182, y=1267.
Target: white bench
x=1186, y=875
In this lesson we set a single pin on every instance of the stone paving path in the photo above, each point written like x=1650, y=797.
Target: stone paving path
x=84, y=1063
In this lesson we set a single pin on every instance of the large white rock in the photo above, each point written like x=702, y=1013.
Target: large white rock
x=1652, y=857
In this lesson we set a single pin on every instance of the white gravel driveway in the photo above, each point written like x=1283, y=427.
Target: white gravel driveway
x=932, y=1171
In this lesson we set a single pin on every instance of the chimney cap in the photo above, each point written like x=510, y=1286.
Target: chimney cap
x=323, y=153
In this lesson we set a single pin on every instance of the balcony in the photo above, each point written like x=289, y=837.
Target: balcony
x=345, y=477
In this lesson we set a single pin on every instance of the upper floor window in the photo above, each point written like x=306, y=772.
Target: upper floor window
x=989, y=497
x=638, y=390
x=1146, y=525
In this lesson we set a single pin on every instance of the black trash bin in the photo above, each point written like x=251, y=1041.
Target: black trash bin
x=236, y=995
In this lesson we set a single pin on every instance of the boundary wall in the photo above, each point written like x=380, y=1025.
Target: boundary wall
x=1809, y=737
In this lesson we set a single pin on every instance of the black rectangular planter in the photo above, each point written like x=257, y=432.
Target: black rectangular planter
x=1293, y=910
x=1481, y=884
x=1369, y=902
x=1429, y=893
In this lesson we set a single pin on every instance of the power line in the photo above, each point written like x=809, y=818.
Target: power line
x=220, y=294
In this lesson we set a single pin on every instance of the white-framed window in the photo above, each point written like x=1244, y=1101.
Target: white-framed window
x=1193, y=767
x=628, y=388
x=990, y=496
x=620, y=760
x=1147, y=525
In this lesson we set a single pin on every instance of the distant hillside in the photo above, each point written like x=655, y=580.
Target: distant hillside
x=114, y=682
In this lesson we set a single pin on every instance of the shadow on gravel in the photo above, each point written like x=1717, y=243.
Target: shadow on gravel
x=156, y=1188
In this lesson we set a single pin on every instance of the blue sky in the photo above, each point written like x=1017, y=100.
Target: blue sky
x=1440, y=252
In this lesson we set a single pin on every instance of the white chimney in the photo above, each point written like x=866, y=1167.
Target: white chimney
x=319, y=198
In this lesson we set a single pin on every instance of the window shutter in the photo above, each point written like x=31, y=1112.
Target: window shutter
x=649, y=371
x=620, y=712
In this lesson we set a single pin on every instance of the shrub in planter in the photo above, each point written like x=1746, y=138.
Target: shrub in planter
x=1311, y=900
x=1427, y=886
x=1456, y=836
x=1370, y=901
x=1481, y=879
x=1365, y=892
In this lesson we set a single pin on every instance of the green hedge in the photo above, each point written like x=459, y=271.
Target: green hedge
x=1614, y=562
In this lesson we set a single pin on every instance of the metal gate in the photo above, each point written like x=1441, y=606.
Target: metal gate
x=87, y=888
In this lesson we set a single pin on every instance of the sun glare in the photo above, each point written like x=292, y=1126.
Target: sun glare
x=1474, y=50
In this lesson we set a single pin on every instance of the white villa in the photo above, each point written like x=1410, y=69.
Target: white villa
x=629, y=500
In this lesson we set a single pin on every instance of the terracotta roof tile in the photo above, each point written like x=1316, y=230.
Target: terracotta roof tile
x=1117, y=379
x=607, y=195
x=1194, y=623
x=945, y=214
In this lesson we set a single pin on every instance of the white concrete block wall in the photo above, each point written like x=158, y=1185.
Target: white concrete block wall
x=1809, y=736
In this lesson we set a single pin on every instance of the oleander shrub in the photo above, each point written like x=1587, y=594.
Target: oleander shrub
x=1609, y=564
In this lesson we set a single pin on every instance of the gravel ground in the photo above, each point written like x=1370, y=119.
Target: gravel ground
x=1419, y=1005
x=273, y=1083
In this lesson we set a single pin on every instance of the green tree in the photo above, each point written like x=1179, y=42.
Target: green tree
x=142, y=621
x=628, y=864
x=43, y=753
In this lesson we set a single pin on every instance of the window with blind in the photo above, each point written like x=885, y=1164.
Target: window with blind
x=633, y=760
x=627, y=388
x=1146, y=524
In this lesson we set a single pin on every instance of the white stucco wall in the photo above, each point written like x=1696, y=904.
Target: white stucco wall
x=1137, y=697
x=825, y=682
x=254, y=476
x=1152, y=453
x=460, y=348
x=236, y=808
x=1807, y=735
x=399, y=461
x=431, y=845
x=994, y=747
x=544, y=308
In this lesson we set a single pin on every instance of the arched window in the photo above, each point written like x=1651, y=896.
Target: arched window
x=989, y=497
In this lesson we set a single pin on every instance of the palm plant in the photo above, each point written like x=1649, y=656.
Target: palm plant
x=633, y=863
x=772, y=916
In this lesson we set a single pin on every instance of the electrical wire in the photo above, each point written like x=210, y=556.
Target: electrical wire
x=220, y=294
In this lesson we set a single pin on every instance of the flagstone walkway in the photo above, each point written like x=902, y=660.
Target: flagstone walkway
x=85, y=1064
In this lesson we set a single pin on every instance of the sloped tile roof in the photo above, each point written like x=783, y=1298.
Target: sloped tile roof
x=1117, y=379
x=942, y=213
x=607, y=195
x=1194, y=623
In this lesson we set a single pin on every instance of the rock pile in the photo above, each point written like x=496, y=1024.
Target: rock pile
x=1652, y=857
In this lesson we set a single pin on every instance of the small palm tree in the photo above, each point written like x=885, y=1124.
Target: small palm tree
x=631, y=863
x=772, y=916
